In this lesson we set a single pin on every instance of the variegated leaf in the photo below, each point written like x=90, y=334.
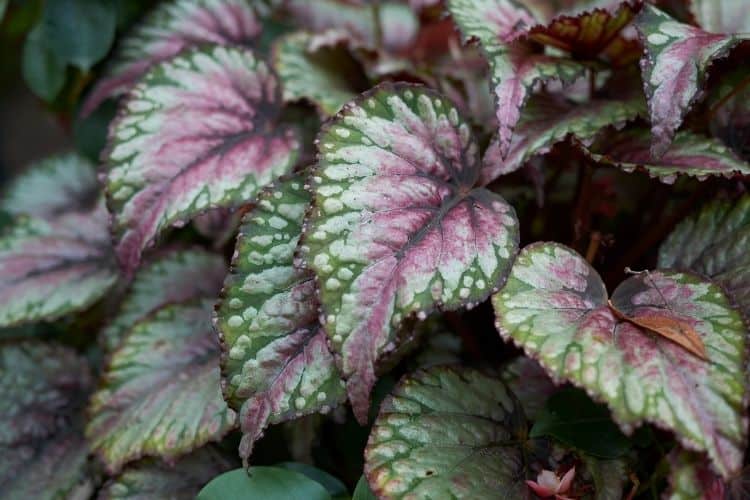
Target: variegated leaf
x=172, y=277
x=446, y=433
x=319, y=76
x=43, y=454
x=554, y=305
x=674, y=69
x=157, y=480
x=691, y=478
x=276, y=364
x=199, y=131
x=49, y=268
x=56, y=185
x=714, y=242
x=689, y=154
x=586, y=35
x=514, y=67
x=721, y=16
x=548, y=120
x=398, y=23
x=397, y=227
x=160, y=393
x=169, y=29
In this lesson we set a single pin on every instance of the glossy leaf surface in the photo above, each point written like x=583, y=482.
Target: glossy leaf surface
x=554, y=305
x=263, y=483
x=714, y=242
x=674, y=69
x=160, y=394
x=276, y=364
x=397, y=227
x=198, y=132
x=548, y=120
x=445, y=433
x=690, y=154
x=172, y=277
x=170, y=28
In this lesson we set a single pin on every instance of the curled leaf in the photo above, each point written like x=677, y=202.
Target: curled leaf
x=690, y=154
x=160, y=393
x=199, y=131
x=446, y=433
x=397, y=227
x=275, y=364
x=674, y=69
x=554, y=305
x=170, y=28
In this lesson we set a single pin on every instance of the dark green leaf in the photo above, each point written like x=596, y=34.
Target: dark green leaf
x=263, y=483
x=571, y=417
x=80, y=32
x=42, y=70
x=90, y=133
x=363, y=491
x=335, y=487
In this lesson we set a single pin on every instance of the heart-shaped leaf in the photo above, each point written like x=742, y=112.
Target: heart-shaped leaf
x=586, y=35
x=276, y=364
x=515, y=68
x=554, y=305
x=199, y=131
x=160, y=393
x=319, y=76
x=714, y=243
x=674, y=69
x=548, y=120
x=42, y=452
x=397, y=228
x=56, y=256
x=689, y=154
x=175, y=276
x=169, y=29
x=445, y=433
x=721, y=16
x=155, y=480
x=263, y=483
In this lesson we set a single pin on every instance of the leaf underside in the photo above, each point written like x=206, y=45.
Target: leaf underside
x=396, y=227
x=554, y=305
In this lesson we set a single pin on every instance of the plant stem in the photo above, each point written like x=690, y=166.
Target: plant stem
x=377, y=22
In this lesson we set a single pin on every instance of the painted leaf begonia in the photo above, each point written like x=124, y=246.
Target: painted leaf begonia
x=554, y=305
x=170, y=28
x=275, y=364
x=689, y=154
x=530, y=383
x=319, y=76
x=174, y=276
x=56, y=256
x=397, y=227
x=43, y=452
x=160, y=393
x=154, y=479
x=674, y=67
x=548, y=120
x=446, y=433
x=714, y=243
x=515, y=68
x=199, y=131
x=691, y=478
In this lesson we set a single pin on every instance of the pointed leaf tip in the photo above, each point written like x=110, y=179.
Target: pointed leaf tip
x=396, y=227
